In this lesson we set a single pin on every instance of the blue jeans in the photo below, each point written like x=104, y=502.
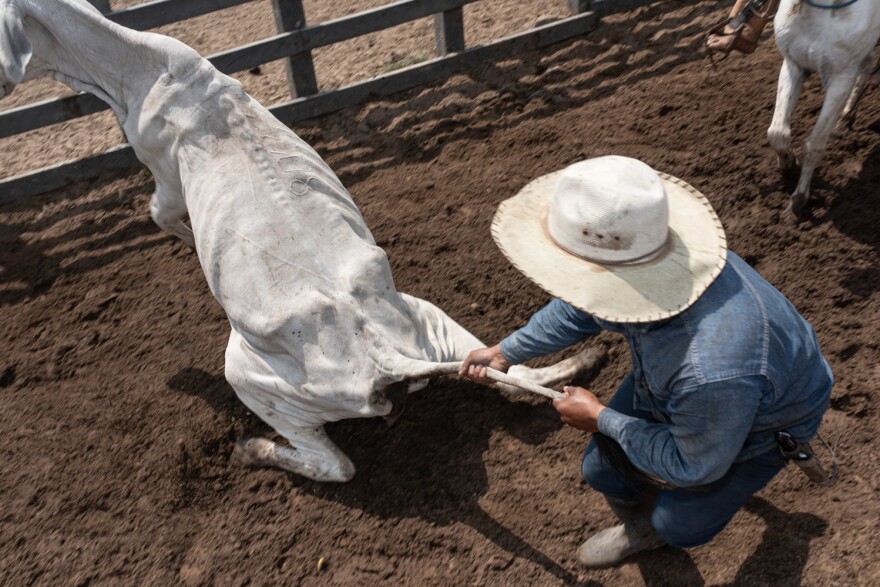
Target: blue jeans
x=684, y=518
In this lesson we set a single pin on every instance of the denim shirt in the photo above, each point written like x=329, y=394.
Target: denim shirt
x=719, y=378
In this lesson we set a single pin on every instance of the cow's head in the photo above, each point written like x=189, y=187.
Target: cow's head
x=15, y=48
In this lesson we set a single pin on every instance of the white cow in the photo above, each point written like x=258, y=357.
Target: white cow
x=837, y=42
x=319, y=333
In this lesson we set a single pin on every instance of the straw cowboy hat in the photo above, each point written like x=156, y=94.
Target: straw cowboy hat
x=615, y=238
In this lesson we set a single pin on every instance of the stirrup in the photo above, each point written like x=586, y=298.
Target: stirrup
x=753, y=17
x=735, y=42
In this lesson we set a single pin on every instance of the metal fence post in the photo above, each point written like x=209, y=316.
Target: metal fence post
x=289, y=16
x=449, y=31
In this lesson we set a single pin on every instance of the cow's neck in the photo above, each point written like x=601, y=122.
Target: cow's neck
x=90, y=52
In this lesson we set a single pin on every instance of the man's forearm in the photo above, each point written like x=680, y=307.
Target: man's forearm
x=554, y=327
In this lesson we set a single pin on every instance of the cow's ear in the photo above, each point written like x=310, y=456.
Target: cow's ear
x=15, y=48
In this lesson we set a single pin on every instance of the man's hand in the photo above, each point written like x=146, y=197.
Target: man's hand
x=474, y=366
x=579, y=408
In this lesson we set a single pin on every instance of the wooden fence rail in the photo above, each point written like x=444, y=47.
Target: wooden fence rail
x=295, y=44
x=161, y=12
x=42, y=114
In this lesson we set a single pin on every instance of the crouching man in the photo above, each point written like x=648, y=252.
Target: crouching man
x=721, y=360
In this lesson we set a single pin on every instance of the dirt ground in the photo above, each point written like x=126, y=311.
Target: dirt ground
x=118, y=424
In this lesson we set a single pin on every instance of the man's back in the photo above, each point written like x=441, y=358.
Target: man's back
x=742, y=328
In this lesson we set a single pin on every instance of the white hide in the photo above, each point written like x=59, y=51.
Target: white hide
x=838, y=44
x=319, y=332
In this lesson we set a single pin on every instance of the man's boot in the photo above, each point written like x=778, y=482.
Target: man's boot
x=636, y=534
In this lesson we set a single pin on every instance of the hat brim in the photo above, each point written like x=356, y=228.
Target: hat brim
x=656, y=289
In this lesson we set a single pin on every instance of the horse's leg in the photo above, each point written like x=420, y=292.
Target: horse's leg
x=312, y=454
x=848, y=118
x=791, y=80
x=837, y=89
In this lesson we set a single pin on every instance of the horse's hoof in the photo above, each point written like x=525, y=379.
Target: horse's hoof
x=842, y=128
x=791, y=172
x=795, y=211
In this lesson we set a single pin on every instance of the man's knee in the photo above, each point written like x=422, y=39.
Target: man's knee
x=601, y=476
x=593, y=468
x=690, y=518
x=685, y=529
x=590, y=466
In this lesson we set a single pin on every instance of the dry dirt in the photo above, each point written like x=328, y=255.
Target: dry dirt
x=117, y=423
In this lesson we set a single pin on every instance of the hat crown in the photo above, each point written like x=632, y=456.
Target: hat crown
x=609, y=209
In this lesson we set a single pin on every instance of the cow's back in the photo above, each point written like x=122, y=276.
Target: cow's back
x=288, y=255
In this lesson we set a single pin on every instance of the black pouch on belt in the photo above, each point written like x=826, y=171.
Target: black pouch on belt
x=802, y=455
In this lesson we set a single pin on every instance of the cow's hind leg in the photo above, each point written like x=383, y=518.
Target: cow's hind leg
x=590, y=359
x=452, y=342
x=311, y=453
x=449, y=340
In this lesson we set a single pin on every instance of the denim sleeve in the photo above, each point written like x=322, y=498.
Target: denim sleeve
x=554, y=327
x=708, y=425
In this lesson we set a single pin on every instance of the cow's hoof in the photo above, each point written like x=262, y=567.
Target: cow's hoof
x=252, y=452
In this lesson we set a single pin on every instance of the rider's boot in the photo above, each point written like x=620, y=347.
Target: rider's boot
x=743, y=31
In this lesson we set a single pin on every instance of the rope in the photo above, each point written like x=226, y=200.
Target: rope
x=815, y=4
x=526, y=385
x=495, y=375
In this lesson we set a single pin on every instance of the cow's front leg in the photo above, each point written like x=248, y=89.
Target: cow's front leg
x=168, y=209
x=311, y=452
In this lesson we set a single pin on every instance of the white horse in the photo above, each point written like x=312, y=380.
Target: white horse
x=319, y=332
x=837, y=42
